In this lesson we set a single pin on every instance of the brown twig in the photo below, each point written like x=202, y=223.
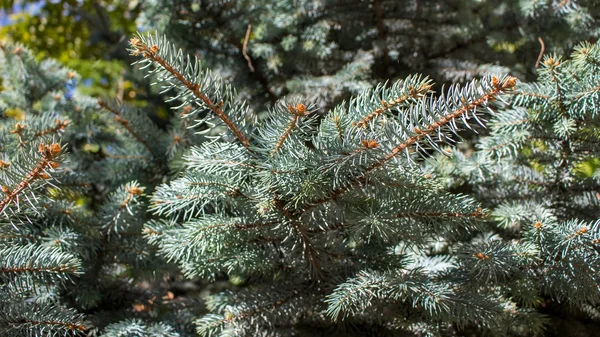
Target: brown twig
x=285, y=135
x=539, y=59
x=244, y=45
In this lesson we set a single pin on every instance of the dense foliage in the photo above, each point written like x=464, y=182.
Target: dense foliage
x=267, y=205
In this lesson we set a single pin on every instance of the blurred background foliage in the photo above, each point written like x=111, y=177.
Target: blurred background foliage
x=88, y=36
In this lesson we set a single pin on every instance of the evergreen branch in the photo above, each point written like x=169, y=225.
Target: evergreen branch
x=49, y=152
x=508, y=83
x=499, y=87
x=412, y=94
x=478, y=214
x=530, y=94
x=59, y=127
x=33, y=263
x=21, y=317
x=151, y=54
x=125, y=123
x=309, y=246
x=208, y=324
x=51, y=324
x=552, y=65
x=132, y=192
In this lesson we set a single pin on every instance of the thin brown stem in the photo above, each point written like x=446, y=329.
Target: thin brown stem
x=539, y=59
x=285, y=135
x=244, y=45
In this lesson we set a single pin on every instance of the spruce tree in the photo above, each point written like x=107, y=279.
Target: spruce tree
x=370, y=218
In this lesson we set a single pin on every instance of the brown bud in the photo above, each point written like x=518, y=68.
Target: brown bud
x=482, y=256
x=135, y=190
x=495, y=81
x=18, y=128
x=54, y=164
x=301, y=109
x=370, y=144
x=510, y=82
x=44, y=176
x=538, y=225
x=55, y=149
x=134, y=41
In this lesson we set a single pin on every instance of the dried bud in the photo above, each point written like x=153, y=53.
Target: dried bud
x=5, y=190
x=495, y=81
x=301, y=109
x=177, y=139
x=18, y=128
x=4, y=164
x=510, y=82
x=538, y=225
x=71, y=74
x=54, y=164
x=135, y=190
x=154, y=49
x=135, y=42
x=418, y=131
x=482, y=256
x=44, y=176
x=55, y=149
x=370, y=144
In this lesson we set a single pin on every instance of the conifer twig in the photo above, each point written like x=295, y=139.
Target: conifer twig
x=49, y=152
x=285, y=135
x=151, y=53
x=508, y=83
x=414, y=93
x=70, y=326
x=59, y=126
x=476, y=214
